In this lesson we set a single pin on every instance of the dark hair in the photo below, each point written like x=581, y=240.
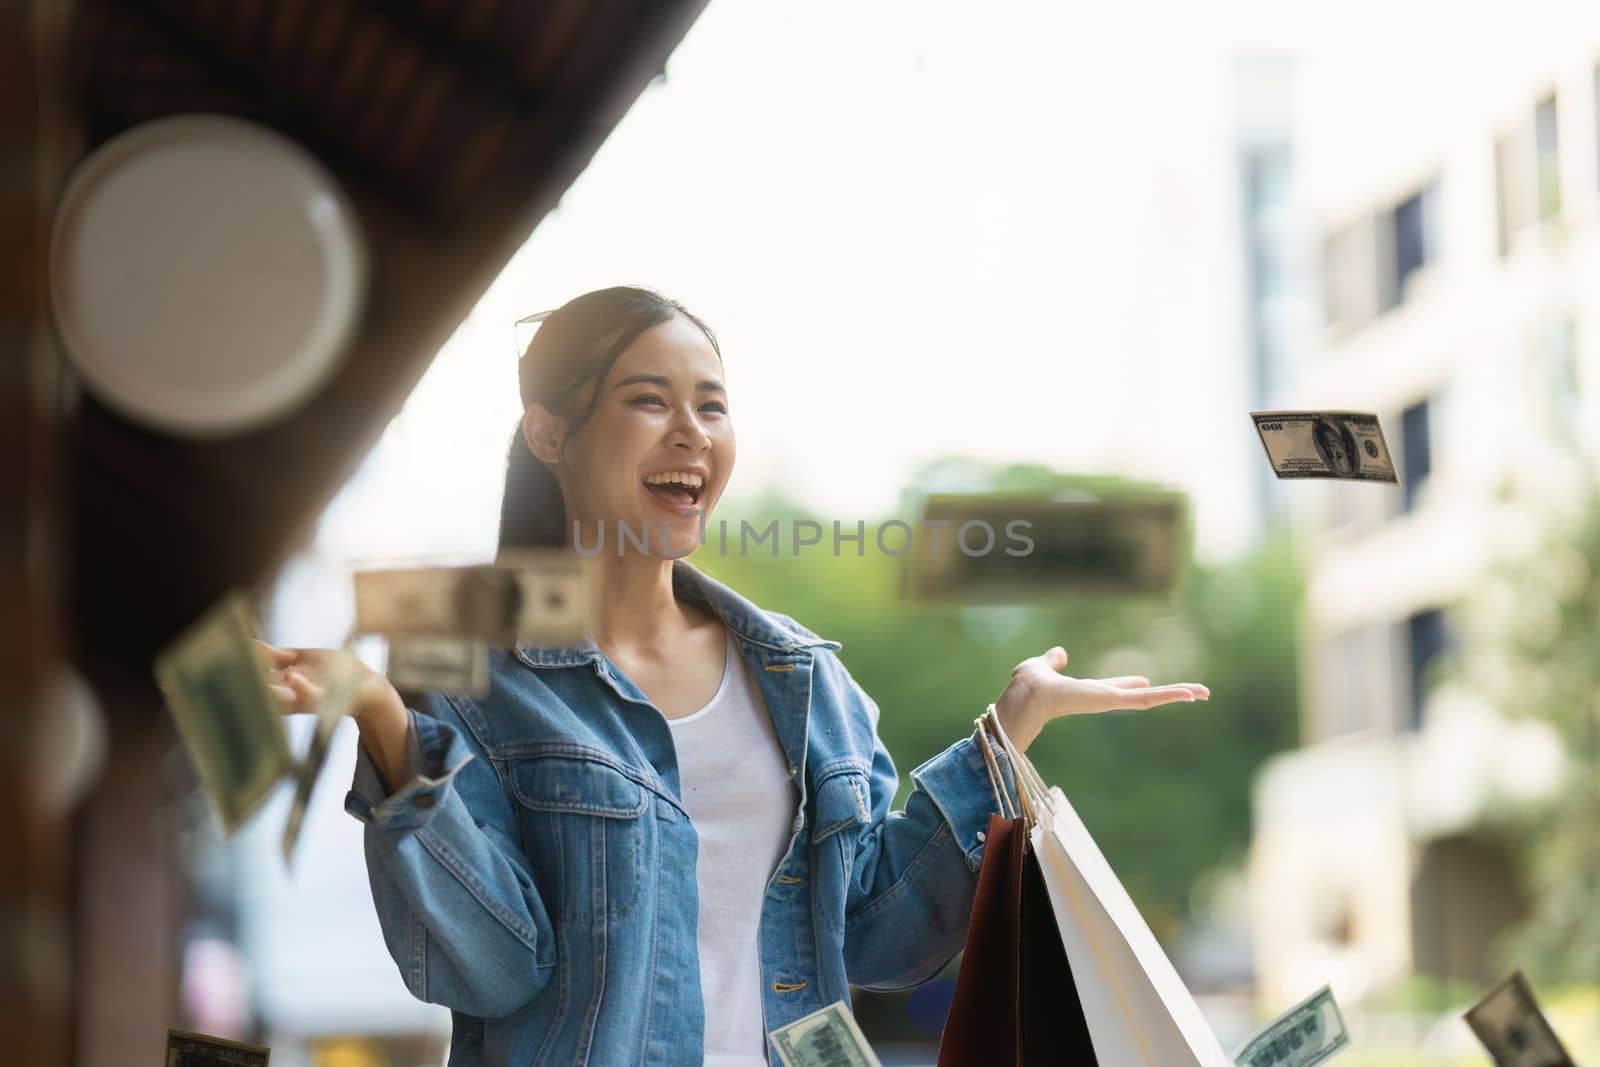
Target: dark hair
x=577, y=343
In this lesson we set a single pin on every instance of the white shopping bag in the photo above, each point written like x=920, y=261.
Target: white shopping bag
x=1138, y=1011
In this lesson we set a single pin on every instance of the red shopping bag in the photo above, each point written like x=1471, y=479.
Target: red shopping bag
x=1015, y=999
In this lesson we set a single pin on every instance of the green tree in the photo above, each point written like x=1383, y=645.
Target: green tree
x=1532, y=645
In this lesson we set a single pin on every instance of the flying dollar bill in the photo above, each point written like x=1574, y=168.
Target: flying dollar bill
x=527, y=596
x=338, y=694
x=185, y=1049
x=216, y=689
x=1325, y=444
x=1307, y=1033
x=1510, y=1025
x=1005, y=547
x=439, y=664
x=825, y=1038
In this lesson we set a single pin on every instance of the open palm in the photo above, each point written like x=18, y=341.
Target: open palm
x=1039, y=692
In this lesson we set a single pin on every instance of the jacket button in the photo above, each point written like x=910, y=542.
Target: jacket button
x=422, y=800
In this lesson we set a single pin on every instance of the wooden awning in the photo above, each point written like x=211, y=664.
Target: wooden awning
x=454, y=125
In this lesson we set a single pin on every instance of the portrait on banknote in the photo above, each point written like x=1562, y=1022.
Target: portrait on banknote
x=1337, y=447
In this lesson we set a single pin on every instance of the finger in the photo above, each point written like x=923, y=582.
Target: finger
x=304, y=688
x=1157, y=696
x=285, y=696
x=274, y=656
x=1056, y=656
x=1128, y=681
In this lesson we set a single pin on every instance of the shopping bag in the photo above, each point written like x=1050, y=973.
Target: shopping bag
x=1015, y=1000
x=982, y=1023
x=1052, y=1026
x=1138, y=1011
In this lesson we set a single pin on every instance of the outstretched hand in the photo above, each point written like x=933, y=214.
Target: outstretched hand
x=1038, y=692
x=298, y=679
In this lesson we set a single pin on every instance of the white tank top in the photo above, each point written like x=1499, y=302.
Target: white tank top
x=735, y=783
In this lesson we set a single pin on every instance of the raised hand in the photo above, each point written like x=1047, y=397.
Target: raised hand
x=1038, y=692
x=298, y=679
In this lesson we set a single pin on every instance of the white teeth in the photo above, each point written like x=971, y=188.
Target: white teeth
x=694, y=481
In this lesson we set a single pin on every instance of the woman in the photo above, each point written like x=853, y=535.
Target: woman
x=661, y=845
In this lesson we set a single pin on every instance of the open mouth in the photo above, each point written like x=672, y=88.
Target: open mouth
x=679, y=493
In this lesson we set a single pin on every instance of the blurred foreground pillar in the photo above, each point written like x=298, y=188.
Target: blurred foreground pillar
x=35, y=923
x=129, y=909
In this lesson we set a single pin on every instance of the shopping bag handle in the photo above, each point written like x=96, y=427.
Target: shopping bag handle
x=1020, y=763
x=1032, y=794
x=1002, y=802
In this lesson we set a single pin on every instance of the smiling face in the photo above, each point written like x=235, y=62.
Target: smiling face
x=658, y=448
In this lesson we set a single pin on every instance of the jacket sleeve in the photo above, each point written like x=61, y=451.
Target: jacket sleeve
x=915, y=871
x=454, y=893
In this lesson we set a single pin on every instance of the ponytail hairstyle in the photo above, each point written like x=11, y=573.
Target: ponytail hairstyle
x=577, y=343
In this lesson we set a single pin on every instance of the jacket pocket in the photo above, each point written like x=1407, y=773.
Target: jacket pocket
x=582, y=830
x=843, y=810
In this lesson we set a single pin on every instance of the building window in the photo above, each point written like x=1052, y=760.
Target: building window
x=1411, y=228
x=1267, y=167
x=1558, y=371
x=1527, y=168
x=1427, y=637
x=1513, y=182
x=1350, y=273
x=1368, y=263
x=1547, y=158
x=1416, y=453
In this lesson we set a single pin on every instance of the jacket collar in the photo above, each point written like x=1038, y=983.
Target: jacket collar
x=744, y=619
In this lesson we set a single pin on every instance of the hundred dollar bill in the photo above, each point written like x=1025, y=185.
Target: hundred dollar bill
x=439, y=664
x=1510, y=1025
x=1325, y=444
x=185, y=1049
x=1307, y=1033
x=526, y=596
x=1005, y=547
x=825, y=1038
x=216, y=689
x=338, y=694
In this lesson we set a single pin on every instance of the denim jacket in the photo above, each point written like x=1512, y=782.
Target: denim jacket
x=537, y=875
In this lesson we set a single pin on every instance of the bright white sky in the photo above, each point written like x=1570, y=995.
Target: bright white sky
x=916, y=233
